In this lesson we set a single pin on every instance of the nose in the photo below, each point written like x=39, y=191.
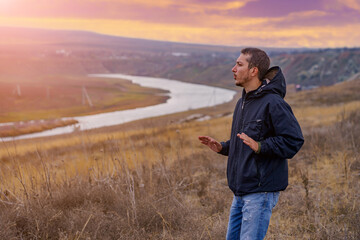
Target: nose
x=233, y=69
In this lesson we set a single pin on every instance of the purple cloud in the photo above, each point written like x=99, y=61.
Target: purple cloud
x=275, y=8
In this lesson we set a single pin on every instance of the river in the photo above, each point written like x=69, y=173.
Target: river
x=183, y=96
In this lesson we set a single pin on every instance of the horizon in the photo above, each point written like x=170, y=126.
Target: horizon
x=157, y=40
x=262, y=23
x=185, y=43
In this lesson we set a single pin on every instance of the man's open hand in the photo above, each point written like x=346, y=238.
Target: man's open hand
x=249, y=141
x=211, y=143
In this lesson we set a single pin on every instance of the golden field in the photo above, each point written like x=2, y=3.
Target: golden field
x=44, y=97
x=152, y=179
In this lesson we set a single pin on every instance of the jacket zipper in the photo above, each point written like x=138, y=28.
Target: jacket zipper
x=242, y=113
x=242, y=129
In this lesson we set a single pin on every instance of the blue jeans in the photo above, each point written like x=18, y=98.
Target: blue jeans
x=250, y=215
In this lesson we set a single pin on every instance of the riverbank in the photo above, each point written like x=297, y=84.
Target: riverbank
x=33, y=126
x=181, y=97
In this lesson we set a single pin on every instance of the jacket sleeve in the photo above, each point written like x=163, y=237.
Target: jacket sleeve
x=225, y=148
x=287, y=138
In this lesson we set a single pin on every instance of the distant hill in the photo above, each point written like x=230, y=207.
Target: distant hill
x=35, y=52
x=322, y=67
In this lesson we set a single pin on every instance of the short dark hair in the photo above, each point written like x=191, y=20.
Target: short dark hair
x=258, y=58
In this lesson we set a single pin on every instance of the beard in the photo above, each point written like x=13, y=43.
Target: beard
x=243, y=81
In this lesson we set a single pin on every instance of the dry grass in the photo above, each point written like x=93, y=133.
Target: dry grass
x=157, y=186
x=160, y=183
x=311, y=116
x=322, y=201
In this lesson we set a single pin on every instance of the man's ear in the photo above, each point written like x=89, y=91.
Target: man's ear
x=254, y=71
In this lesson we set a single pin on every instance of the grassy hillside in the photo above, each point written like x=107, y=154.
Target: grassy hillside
x=152, y=179
x=322, y=68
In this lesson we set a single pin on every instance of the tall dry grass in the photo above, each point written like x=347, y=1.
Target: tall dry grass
x=162, y=184
x=151, y=186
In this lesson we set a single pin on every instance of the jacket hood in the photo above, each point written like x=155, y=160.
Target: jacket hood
x=274, y=82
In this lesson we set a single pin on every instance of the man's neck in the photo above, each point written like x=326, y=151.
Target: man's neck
x=253, y=85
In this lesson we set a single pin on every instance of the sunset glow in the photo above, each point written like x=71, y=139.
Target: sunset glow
x=270, y=23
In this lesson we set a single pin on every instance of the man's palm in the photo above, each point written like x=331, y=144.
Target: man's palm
x=211, y=143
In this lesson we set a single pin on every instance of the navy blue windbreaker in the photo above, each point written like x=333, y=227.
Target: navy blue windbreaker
x=264, y=116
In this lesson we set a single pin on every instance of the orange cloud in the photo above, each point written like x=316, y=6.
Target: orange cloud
x=236, y=35
x=158, y=3
x=196, y=7
x=353, y=4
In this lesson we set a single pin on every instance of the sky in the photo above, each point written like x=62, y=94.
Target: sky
x=261, y=23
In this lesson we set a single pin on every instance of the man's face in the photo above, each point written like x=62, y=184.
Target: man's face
x=241, y=71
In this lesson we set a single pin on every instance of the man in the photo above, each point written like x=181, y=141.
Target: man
x=265, y=133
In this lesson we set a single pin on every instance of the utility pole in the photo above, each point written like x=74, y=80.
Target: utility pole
x=85, y=97
x=17, y=90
